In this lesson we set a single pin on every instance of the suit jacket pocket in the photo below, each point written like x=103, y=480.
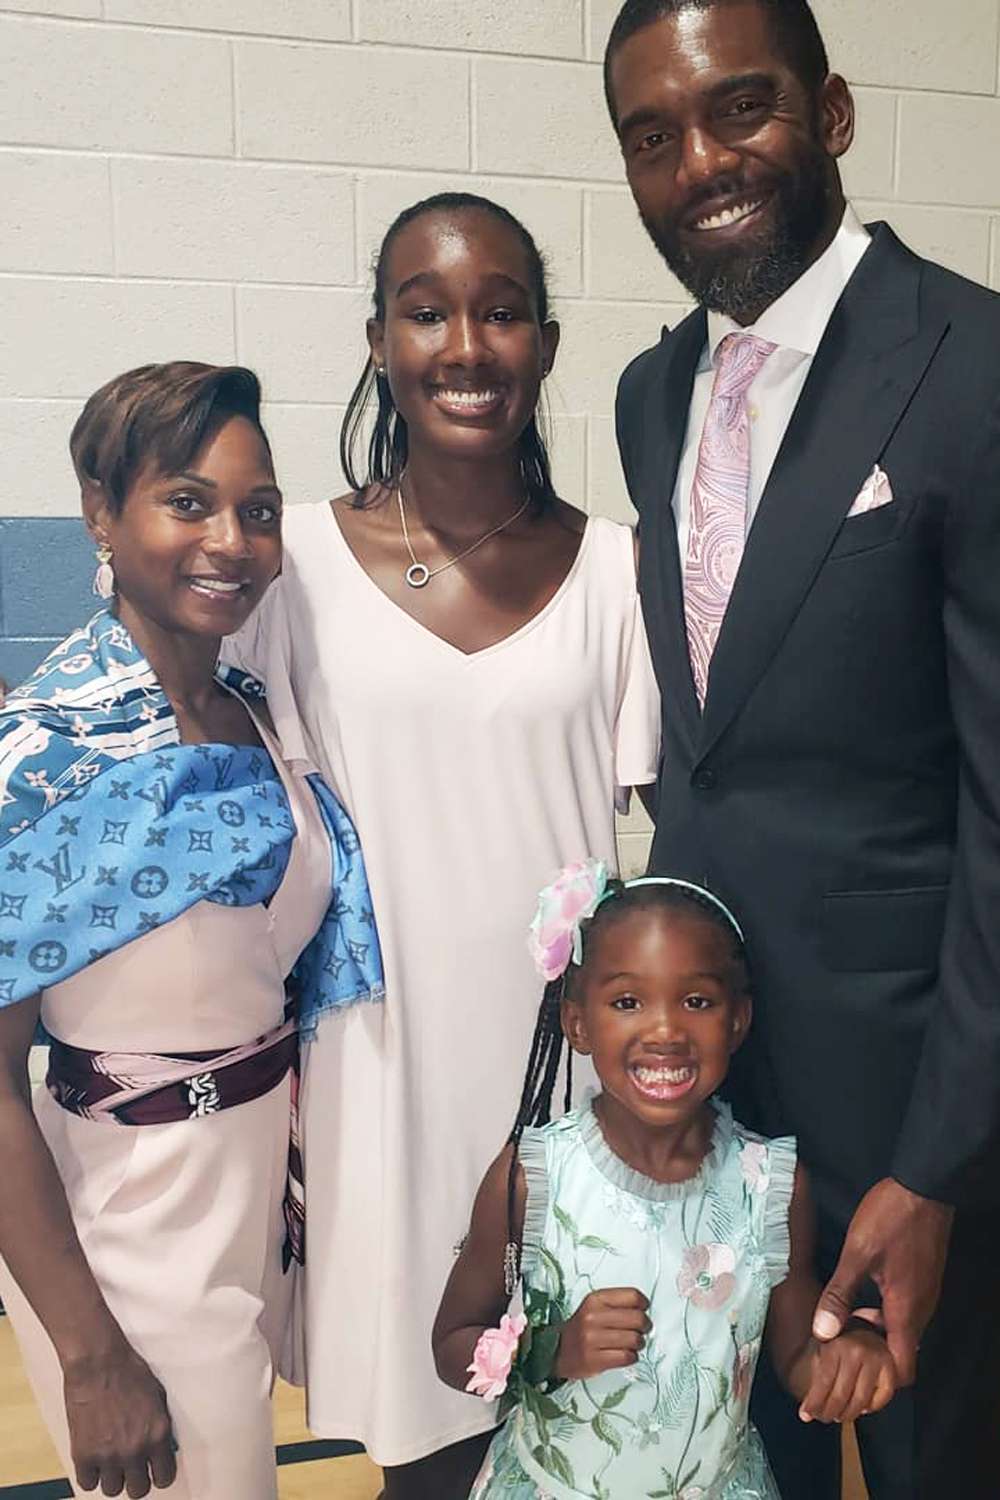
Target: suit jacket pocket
x=873, y=528
x=883, y=931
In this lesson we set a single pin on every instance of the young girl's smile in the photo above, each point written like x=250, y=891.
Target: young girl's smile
x=661, y=1005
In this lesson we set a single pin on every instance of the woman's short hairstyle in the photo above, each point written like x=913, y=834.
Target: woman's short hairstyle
x=159, y=415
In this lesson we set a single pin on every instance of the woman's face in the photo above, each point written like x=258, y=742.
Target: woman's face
x=462, y=345
x=194, y=552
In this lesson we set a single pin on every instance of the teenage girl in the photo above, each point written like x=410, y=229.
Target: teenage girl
x=462, y=652
x=656, y=1241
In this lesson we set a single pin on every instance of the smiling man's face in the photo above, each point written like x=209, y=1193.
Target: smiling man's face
x=730, y=156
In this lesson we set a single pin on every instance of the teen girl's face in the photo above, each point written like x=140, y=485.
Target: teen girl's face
x=194, y=552
x=462, y=344
x=661, y=1005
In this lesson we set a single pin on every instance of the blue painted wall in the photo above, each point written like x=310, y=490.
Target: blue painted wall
x=46, y=570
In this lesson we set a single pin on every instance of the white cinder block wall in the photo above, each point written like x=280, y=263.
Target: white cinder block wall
x=209, y=178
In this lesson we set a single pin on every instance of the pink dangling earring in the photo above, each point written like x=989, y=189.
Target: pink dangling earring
x=104, y=578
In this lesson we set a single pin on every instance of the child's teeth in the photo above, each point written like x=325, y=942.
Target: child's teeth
x=663, y=1075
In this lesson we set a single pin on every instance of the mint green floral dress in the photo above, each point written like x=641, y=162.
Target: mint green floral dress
x=706, y=1253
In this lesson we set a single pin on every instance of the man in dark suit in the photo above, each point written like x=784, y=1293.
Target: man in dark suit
x=815, y=457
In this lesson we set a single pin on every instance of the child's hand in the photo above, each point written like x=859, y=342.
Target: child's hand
x=605, y=1333
x=850, y=1376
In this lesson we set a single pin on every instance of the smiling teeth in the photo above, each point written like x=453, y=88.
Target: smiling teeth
x=728, y=216
x=663, y=1075
x=215, y=586
x=469, y=398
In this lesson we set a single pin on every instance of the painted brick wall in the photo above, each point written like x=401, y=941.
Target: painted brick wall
x=46, y=568
x=208, y=178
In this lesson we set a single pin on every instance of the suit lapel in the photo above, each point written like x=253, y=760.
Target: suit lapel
x=665, y=424
x=872, y=359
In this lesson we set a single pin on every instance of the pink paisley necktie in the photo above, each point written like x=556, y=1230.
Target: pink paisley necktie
x=719, y=499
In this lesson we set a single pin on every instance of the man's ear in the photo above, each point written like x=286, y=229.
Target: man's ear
x=837, y=106
x=574, y=1027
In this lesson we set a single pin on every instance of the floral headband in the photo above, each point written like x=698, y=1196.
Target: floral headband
x=555, y=939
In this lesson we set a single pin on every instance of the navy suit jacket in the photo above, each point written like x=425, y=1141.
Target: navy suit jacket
x=842, y=786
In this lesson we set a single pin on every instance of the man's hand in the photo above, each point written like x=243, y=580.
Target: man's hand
x=900, y=1241
x=605, y=1333
x=849, y=1377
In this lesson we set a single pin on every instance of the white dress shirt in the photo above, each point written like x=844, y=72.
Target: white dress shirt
x=795, y=323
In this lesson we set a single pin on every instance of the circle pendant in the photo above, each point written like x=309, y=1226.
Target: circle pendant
x=417, y=575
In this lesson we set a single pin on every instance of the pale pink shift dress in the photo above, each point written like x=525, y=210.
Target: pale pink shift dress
x=471, y=779
x=182, y=1223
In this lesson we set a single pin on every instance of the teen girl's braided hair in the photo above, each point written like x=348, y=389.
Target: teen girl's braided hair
x=548, y=1040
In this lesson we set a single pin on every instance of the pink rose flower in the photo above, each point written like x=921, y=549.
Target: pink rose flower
x=493, y=1357
x=554, y=935
x=705, y=1276
x=753, y=1164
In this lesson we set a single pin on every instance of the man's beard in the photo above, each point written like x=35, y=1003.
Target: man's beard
x=743, y=282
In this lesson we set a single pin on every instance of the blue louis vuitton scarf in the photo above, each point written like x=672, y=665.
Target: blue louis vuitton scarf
x=109, y=826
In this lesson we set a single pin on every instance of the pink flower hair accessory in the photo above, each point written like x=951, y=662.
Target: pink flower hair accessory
x=554, y=939
x=493, y=1357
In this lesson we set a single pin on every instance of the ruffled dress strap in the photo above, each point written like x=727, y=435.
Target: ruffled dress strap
x=782, y=1154
x=532, y=1155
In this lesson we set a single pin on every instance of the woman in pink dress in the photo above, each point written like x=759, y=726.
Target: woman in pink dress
x=163, y=869
x=462, y=652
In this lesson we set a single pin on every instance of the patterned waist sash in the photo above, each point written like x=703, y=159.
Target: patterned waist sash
x=145, y=1088
x=138, y=1088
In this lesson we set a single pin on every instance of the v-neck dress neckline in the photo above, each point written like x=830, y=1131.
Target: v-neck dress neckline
x=540, y=615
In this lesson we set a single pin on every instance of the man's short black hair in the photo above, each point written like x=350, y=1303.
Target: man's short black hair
x=792, y=23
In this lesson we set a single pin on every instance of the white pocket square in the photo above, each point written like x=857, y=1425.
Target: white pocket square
x=874, y=493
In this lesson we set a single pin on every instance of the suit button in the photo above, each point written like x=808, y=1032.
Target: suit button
x=706, y=780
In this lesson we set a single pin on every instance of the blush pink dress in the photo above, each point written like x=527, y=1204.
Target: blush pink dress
x=182, y=1223
x=471, y=779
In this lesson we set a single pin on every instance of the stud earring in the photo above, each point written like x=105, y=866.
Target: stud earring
x=104, y=578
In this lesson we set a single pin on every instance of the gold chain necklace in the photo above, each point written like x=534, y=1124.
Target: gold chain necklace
x=418, y=574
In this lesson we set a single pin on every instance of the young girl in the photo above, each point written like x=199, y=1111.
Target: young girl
x=655, y=1238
